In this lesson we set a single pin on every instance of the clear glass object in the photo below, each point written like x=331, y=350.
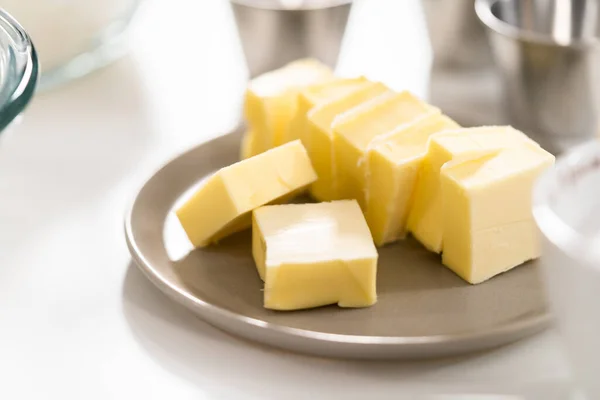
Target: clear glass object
x=387, y=41
x=73, y=37
x=18, y=70
x=566, y=207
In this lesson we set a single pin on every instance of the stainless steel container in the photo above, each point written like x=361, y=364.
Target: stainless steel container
x=275, y=32
x=457, y=37
x=547, y=52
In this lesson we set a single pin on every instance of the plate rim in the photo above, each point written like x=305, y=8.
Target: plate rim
x=518, y=328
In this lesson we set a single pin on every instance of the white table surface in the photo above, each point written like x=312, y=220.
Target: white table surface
x=78, y=321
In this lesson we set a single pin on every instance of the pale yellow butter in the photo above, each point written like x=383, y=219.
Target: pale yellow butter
x=270, y=100
x=311, y=255
x=425, y=216
x=354, y=131
x=393, y=164
x=313, y=95
x=223, y=204
x=320, y=141
x=247, y=145
x=486, y=206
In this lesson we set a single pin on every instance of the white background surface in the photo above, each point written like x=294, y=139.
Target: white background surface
x=78, y=321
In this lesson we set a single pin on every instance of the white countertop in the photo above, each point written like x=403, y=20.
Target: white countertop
x=78, y=321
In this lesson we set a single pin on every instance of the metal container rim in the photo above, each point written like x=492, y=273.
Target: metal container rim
x=483, y=9
x=305, y=6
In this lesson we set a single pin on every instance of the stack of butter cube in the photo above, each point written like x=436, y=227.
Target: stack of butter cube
x=381, y=164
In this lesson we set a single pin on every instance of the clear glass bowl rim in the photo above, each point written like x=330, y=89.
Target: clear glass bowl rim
x=570, y=241
x=20, y=79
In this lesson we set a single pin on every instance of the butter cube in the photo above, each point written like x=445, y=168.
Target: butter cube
x=313, y=95
x=312, y=255
x=487, y=221
x=320, y=136
x=354, y=131
x=247, y=145
x=393, y=164
x=425, y=217
x=270, y=100
x=224, y=203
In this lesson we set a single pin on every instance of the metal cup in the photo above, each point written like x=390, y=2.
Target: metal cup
x=275, y=32
x=457, y=37
x=547, y=53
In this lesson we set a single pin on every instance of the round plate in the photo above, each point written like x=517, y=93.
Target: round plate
x=423, y=309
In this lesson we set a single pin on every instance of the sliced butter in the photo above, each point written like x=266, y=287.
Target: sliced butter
x=393, y=164
x=320, y=142
x=311, y=255
x=247, y=145
x=313, y=95
x=486, y=206
x=354, y=131
x=223, y=204
x=425, y=217
x=270, y=100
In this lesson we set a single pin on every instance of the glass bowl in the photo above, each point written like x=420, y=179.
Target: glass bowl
x=566, y=208
x=18, y=69
x=74, y=37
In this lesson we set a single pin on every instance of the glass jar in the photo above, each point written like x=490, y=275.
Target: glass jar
x=73, y=37
x=18, y=70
